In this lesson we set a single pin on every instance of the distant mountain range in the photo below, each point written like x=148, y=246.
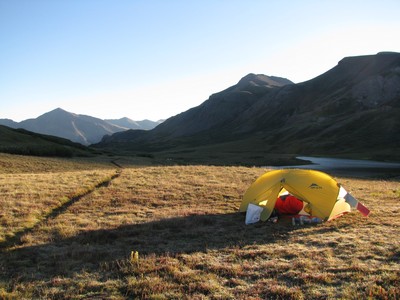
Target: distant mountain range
x=351, y=110
x=82, y=129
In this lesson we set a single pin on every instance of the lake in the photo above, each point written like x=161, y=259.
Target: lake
x=349, y=167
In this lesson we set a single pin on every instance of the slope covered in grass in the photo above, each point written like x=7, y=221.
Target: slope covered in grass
x=20, y=141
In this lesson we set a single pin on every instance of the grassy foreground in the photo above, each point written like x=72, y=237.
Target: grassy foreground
x=174, y=233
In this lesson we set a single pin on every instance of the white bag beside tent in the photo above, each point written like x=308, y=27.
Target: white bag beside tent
x=253, y=213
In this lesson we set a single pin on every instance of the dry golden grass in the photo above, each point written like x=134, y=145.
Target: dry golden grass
x=26, y=197
x=193, y=244
x=16, y=164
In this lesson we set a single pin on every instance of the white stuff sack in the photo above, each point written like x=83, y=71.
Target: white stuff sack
x=253, y=213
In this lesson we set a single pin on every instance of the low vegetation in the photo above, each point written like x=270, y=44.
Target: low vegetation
x=29, y=198
x=174, y=232
x=23, y=142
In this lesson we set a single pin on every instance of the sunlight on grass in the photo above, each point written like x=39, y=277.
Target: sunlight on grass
x=191, y=242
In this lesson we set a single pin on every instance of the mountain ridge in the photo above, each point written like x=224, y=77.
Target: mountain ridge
x=131, y=124
x=352, y=108
x=78, y=128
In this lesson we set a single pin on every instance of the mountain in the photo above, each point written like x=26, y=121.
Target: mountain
x=82, y=129
x=77, y=128
x=130, y=124
x=200, y=125
x=8, y=123
x=21, y=141
x=351, y=110
x=220, y=108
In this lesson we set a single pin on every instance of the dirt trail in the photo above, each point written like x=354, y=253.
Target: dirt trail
x=15, y=240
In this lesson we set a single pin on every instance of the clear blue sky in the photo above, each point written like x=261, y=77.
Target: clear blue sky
x=156, y=58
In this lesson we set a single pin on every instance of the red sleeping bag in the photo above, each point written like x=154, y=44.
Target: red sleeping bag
x=288, y=205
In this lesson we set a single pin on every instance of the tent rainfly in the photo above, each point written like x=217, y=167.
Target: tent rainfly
x=323, y=196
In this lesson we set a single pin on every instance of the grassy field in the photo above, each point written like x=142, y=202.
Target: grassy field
x=75, y=229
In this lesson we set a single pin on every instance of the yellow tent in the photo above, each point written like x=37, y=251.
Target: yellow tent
x=324, y=197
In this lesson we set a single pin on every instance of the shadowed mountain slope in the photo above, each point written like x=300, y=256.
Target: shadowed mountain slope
x=354, y=108
x=210, y=117
x=21, y=141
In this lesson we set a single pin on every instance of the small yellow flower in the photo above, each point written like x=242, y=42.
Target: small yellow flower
x=134, y=256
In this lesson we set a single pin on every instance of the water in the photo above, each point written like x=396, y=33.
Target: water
x=351, y=167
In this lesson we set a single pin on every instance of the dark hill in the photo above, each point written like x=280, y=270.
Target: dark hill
x=21, y=141
x=351, y=110
x=220, y=108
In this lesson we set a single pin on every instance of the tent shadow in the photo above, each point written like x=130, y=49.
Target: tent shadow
x=90, y=250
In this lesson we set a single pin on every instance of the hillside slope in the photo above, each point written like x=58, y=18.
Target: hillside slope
x=351, y=108
x=354, y=108
x=209, y=118
x=21, y=141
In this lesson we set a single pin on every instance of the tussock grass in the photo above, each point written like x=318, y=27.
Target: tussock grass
x=193, y=244
x=27, y=198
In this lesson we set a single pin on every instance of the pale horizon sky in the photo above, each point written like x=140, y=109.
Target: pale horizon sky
x=157, y=58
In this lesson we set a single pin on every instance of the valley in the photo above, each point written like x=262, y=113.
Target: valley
x=205, y=150
x=153, y=214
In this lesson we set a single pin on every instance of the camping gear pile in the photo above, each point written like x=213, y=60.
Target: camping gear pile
x=310, y=196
